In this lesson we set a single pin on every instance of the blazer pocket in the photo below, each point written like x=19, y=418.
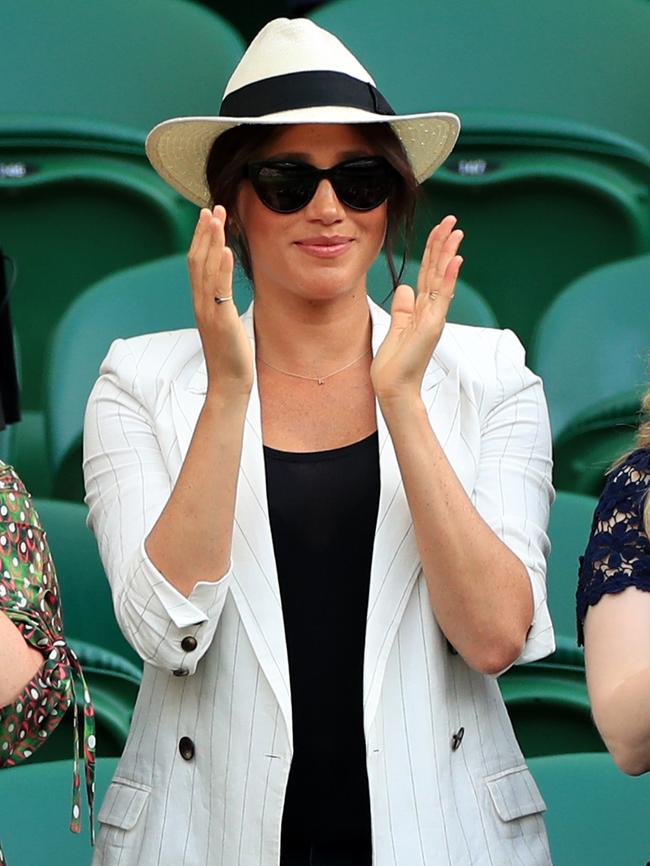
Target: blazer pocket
x=516, y=799
x=121, y=809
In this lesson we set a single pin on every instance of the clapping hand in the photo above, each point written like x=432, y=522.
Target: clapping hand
x=417, y=318
x=227, y=349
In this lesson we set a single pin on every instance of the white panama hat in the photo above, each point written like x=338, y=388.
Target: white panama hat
x=294, y=72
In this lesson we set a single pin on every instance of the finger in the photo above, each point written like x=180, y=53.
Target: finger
x=401, y=314
x=212, y=263
x=199, y=244
x=448, y=287
x=437, y=240
x=445, y=255
x=224, y=283
x=424, y=264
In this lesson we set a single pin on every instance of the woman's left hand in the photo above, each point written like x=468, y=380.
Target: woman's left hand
x=417, y=320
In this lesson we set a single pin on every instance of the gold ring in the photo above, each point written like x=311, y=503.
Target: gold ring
x=222, y=300
x=433, y=295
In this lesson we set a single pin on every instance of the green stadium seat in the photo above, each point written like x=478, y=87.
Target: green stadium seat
x=6, y=437
x=548, y=182
x=44, y=789
x=595, y=439
x=599, y=330
x=534, y=220
x=251, y=16
x=549, y=707
x=78, y=199
x=569, y=529
x=70, y=221
x=151, y=297
x=85, y=593
x=596, y=815
x=115, y=64
x=573, y=62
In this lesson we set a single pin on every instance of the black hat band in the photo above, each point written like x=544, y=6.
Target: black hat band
x=303, y=90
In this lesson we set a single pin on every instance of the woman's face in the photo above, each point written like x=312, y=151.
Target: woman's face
x=323, y=251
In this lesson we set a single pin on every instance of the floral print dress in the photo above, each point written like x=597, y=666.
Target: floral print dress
x=29, y=596
x=618, y=552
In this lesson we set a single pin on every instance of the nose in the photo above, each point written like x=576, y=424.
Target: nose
x=325, y=206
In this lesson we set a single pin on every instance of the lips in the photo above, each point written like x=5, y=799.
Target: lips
x=324, y=246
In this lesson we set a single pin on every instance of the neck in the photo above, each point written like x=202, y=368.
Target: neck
x=311, y=338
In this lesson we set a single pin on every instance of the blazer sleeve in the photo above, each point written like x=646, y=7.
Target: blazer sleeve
x=127, y=486
x=513, y=491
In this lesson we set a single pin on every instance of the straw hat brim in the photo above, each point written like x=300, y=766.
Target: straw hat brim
x=178, y=148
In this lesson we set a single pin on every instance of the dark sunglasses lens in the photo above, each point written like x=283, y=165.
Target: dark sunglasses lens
x=363, y=186
x=284, y=188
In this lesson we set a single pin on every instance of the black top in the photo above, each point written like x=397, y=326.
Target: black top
x=323, y=512
x=618, y=552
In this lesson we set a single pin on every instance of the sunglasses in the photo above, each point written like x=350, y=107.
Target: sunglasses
x=286, y=187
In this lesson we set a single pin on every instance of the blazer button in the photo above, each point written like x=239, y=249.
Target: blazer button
x=181, y=672
x=457, y=739
x=188, y=643
x=186, y=748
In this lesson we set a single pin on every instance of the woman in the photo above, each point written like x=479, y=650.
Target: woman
x=37, y=667
x=324, y=526
x=613, y=602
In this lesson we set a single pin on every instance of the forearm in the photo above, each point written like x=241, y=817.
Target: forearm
x=19, y=662
x=191, y=540
x=479, y=590
x=623, y=720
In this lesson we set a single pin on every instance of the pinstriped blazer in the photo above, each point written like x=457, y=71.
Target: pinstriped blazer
x=203, y=775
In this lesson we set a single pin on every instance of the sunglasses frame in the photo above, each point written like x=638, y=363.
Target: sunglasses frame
x=336, y=174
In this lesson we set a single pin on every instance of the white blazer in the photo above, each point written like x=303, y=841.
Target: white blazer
x=203, y=775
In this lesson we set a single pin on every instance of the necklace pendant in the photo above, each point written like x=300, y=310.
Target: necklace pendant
x=321, y=381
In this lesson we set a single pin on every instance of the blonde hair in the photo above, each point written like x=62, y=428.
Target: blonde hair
x=643, y=441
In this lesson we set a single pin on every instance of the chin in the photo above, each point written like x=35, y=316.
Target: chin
x=327, y=283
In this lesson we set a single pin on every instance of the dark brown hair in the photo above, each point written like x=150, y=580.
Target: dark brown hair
x=235, y=148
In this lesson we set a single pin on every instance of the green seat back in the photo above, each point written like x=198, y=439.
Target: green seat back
x=571, y=61
x=78, y=199
x=547, y=180
x=596, y=816
x=48, y=839
x=535, y=220
x=154, y=296
x=594, y=440
x=594, y=340
x=250, y=17
x=549, y=708
x=85, y=593
x=72, y=220
x=569, y=528
x=6, y=436
x=132, y=64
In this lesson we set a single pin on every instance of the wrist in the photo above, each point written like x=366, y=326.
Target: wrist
x=233, y=398
x=400, y=405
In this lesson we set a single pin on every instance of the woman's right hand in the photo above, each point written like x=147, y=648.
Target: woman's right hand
x=227, y=349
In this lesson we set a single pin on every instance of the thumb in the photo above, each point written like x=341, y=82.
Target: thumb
x=401, y=314
x=402, y=307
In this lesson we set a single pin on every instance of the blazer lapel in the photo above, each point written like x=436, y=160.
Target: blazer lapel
x=395, y=559
x=254, y=586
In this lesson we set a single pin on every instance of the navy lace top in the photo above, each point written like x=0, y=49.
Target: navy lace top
x=618, y=552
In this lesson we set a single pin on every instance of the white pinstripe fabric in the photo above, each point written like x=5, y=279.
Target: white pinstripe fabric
x=431, y=805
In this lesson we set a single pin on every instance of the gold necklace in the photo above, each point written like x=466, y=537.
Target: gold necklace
x=319, y=379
